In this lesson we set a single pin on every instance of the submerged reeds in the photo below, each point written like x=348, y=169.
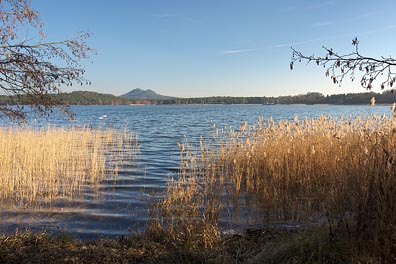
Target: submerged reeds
x=47, y=163
x=339, y=172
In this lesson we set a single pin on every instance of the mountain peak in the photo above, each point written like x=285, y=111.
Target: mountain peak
x=149, y=94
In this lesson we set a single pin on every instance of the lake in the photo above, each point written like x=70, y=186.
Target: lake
x=121, y=205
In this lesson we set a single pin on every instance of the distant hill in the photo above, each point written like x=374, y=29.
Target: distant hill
x=145, y=94
x=93, y=98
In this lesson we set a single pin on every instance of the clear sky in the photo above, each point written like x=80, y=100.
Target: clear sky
x=218, y=47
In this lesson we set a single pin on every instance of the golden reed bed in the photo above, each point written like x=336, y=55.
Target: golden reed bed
x=56, y=162
x=337, y=172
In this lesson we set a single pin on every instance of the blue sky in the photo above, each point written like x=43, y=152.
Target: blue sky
x=218, y=47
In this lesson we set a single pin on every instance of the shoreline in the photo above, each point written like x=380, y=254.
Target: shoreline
x=268, y=245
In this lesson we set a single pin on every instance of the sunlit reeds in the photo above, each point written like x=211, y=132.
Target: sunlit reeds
x=47, y=163
x=337, y=171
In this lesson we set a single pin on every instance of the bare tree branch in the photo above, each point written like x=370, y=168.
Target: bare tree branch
x=351, y=65
x=32, y=72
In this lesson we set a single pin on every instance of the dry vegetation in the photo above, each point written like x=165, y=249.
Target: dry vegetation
x=339, y=174
x=332, y=179
x=265, y=246
x=47, y=163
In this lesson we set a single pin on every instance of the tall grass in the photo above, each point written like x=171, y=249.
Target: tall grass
x=339, y=172
x=51, y=162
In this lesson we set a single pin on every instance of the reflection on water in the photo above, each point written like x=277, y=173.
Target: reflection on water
x=119, y=205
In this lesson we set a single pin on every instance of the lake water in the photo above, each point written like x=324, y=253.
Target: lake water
x=121, y=205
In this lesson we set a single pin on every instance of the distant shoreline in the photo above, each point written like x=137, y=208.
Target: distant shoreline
x=94, y=98
x=384, y=104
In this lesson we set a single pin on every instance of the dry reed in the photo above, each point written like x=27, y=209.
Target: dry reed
x=340, y=171
x=47, y=163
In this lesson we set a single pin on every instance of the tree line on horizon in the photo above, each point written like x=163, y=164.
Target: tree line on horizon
x=308, y=98
x=95, y=98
